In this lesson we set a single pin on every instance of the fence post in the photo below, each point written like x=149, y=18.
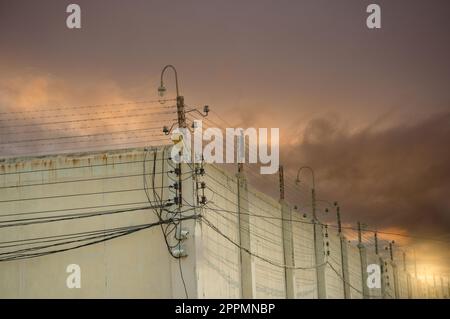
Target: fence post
x=435, y=291
x=409, y=285
x=345, y=266
x=384, y=280
x=286, y=215
x=320, y=260
x=408, y=280
x=344, y=256
x=448, y=287
x=363, y=257
x=185, y=267
x=382, y=268
x=244, y=236
x=394, y=271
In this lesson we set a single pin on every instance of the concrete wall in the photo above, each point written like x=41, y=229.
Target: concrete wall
x=139, y=265
x=305, y=279
x=388, y=279
x=354, y=264
x=372, y=258
x=136, y=265
x=334, y=276
x=266, y=241
x=403, y=284
x=219, y=260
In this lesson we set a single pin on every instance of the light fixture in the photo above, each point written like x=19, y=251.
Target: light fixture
x=179, y=252
x=161, y=92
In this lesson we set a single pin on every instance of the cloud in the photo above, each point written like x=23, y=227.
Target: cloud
x=396, y=178
x=30, y=100
x=400, y=175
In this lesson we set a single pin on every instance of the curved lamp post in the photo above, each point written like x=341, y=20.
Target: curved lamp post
x=180, y=99
x=313, y=191
x=162, y=89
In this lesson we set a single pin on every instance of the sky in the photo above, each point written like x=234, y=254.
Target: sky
x=369, y=110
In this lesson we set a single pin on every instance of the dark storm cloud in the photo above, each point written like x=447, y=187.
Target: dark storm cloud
x=395, y=176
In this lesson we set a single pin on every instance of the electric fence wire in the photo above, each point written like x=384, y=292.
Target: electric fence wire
x=267, y=260
x=63, y=108
x=73, y=142
x=350, y=228
x=84, y=128
x=145, y=129
x=89, y=114
x=90, y=119
x=257, y=235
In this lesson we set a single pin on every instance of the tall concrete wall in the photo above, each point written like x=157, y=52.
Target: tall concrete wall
x=334, y=273
x=374, y=259
x=403, y=284
x=136, y=265
x=305, y=276
x=267, y=241
x=230, y=227
x=389, y=279
x=356, y=281
x=219, y=260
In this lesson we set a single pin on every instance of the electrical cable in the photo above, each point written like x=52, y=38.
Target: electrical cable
x=62, y=108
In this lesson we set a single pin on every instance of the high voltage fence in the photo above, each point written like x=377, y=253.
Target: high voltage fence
x=141, y=226
x=64, y=129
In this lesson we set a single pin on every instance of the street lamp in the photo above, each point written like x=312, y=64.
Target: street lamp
x=313, y=192
x=180, y=100
x=162, y=89
x=181, y=113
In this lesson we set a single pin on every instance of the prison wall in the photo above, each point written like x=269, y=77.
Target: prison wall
x=93, y=201
x=355, y=271
x=70, y=186
x=305, y=277
x=219, y=260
